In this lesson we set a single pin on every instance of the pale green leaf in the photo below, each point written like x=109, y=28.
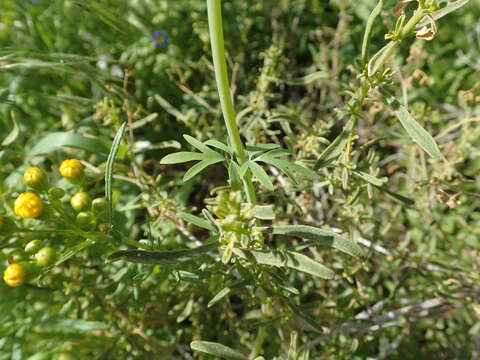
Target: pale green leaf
x=198, y=167
x=216, y=349
x=286, y=259
x=181, y=157
x=323, y=236
x=261, y=175
x=221, y=294
x=195, y=220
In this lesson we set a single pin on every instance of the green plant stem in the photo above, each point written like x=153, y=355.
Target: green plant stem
x=412, y=22
x=221, y=77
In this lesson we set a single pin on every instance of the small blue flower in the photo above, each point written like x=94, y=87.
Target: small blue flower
x=159, y=38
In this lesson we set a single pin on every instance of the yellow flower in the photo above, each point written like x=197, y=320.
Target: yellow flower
x=71, y=168
x=28, y=205
x=14, y=275
x=33, y=176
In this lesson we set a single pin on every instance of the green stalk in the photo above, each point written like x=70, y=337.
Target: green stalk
x=221, y=77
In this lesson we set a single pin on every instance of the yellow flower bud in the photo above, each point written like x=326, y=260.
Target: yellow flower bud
x=71, y=168
x=15, y=275
x=28, y=205
x=34, y=176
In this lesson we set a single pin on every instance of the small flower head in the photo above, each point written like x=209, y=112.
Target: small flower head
x=34, y=177
x=15, y=275
x=159, y=38
x=28, y=205
x=71, y=168
x=81, y=201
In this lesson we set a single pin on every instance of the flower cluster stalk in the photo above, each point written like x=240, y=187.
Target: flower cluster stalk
x=226, y=102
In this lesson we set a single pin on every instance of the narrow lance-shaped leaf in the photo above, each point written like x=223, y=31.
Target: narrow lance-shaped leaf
x=413, y=128
x=333, y=150
x=451, y=6
x=197, y=221
x=288, y=259
x=216, y=349
x=109, y=172
x=221, y=294
x=261, y=175
x=368, y=29
x=161, y=257
x=181, y=157
x=369, y=178
x=324, y=236
x=381, y=57
x=12, y=136
x=198, y=167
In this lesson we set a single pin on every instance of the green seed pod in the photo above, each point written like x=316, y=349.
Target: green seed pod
x=81, y=201
x=7, y=225
x=85, y=220
x=46, y=256
x=99, y=205
x=33, y=246
x=56, y=193
x=17, y=256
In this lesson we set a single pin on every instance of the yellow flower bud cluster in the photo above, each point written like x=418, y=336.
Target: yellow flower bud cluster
x=83, y=214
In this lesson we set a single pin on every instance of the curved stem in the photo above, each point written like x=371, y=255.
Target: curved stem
x=221, y=77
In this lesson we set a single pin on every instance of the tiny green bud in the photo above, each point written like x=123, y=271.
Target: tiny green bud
x=17, y=256
x=46, y=256
x=99, y=205
x=33, y=246
x=81, y=201
x=85, y=220
x=56, y=193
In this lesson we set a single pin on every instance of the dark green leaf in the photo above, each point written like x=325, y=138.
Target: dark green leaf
x=161, y=257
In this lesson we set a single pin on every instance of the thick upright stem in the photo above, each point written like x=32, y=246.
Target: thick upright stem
x=221, y=77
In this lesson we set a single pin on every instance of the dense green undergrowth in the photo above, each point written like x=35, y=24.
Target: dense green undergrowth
x=349, y=229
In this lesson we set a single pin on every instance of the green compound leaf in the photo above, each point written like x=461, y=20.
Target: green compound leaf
x=288, y=259
x=161, y=257
x=324, y=236
x=413, y=128
x=216, y=349
x=109, y=172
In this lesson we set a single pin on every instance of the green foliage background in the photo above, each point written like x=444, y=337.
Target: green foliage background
x=63, y=65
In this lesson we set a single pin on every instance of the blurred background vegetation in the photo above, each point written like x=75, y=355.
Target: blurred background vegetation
x=84, y=67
